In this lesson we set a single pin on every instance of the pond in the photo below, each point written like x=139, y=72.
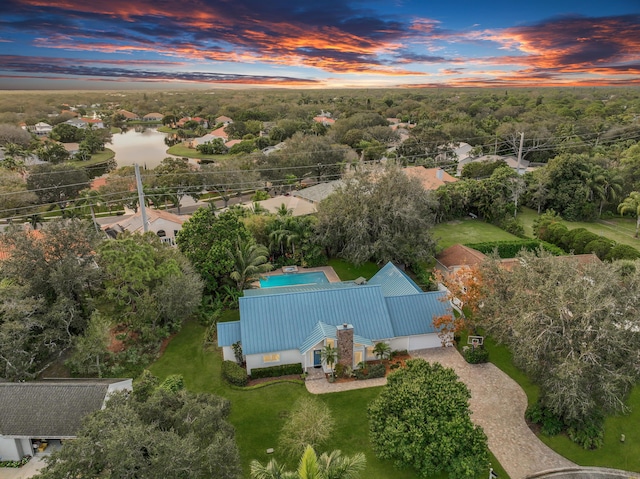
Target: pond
x=141, y=145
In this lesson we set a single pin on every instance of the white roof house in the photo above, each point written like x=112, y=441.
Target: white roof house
x=164, y=224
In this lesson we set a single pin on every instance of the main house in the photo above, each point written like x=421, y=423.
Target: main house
x=292, y=324
x=36, y=415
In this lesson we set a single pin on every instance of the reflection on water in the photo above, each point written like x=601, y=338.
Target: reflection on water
x=141, y=145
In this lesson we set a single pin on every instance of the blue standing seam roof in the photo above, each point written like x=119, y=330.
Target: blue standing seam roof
x=296, y=289
x=323, y=331
x=394, y=282
x=228, y=333
x=284, y=321
x=413, y=314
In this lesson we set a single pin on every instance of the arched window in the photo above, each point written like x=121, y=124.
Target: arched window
x=161, y=233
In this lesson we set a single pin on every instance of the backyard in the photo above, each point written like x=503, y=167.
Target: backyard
x=468, y=231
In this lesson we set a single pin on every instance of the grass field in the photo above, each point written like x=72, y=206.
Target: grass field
x=468, y=231
x=620, y=229
x=347, y=272
x=96, y=158
x=181, y=150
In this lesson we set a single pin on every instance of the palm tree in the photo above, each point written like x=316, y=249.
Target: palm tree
x=34, y=220
x=631, y=204
x=612, y=187
x=92, y=199
x=283, y=211
x=382, y=350
x=329, y=355
x=328, y=466
x=249, y=261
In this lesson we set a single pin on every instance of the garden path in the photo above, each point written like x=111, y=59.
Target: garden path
x=497, y=403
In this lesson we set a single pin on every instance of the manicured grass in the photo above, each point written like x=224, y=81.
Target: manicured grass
x=229, y=315
x=96, y=158
x=258, y=415
x=621, y=229
x=468, y=231
x=181, y=150
x=348, y=272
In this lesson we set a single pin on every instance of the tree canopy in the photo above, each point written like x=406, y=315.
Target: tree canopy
x=421, y=419
x=384, y=217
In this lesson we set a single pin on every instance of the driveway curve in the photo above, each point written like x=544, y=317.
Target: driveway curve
x=498, y=404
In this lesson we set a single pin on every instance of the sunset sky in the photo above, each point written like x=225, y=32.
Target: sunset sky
x=115, y=44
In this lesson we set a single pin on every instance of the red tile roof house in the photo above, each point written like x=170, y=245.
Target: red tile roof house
x=38, y=414
x=431, y=178
x=153, y=117
x=128, y=115
x=225, y=120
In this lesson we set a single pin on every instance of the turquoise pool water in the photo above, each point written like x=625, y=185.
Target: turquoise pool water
x=292, y=279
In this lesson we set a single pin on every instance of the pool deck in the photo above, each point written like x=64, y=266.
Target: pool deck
x=327, y=270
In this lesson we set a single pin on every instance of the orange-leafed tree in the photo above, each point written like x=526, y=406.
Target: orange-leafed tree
x=464, y=291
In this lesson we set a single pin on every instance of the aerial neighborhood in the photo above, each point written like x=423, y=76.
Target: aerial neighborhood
x=407, y=283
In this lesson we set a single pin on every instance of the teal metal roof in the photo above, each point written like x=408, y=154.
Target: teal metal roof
x=394, y=282
x=301, y=288
x=279, y=322
x=413, y=314
x=228, y=333
x=323, y=331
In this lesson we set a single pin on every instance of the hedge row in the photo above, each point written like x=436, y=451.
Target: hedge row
x=372, y=371
x=510, y=249
x=581, y=241
x=233, y=373
x=276, y=371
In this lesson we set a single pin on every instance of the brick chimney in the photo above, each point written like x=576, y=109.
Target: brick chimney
x=345, y=344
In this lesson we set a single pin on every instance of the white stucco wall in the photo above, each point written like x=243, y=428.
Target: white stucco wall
x=9, y=449
x=290, y=356
x=411, y=343
x=227, y=353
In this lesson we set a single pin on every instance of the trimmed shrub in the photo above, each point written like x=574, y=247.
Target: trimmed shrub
x=372, y=371
x=537, y=414
x=622, y=251
x=589, y=434
x=566, y=242
x=173, y=383
x=554, y=234
x=581, y=240
x=600, y=247
x=510, y=249
x=234, y=374
x=276, y=371
x=475, y=355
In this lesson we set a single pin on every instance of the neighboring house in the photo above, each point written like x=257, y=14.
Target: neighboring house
x=270, y=149
x=194, y=142
x=458, y=256
x=72, y=148
x=38, y=414
x=511, y=161
x=220, y=133
x=231, y=143
x=128, y=115
x=155, y=116
x=290, y=325
x=164, y=224
x=225, y=120
x=298, y=206
x=77, y=122
x=95, y=122
x=42, y=129
x=315, y=194
x=431, y=178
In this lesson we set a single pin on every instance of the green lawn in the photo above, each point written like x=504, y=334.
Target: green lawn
x=181, y=150
x=258, y=415
x=348, y=272
x=619, y=229
x=468, y=231
x=96, y=158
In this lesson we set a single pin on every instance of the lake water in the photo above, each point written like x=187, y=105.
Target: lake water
x=145, y=147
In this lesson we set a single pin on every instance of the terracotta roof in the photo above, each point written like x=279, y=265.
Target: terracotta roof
x=154, y=115
x=134, y=224
x=431, y=178
x=220, y=133
x=460, y=255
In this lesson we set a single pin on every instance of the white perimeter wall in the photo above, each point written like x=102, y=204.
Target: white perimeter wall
x=14, y=449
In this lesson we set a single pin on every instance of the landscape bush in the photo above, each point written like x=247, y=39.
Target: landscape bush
x=622, y=251
x=475, y=355
x=600, y=247
x=510, y=249
x=373, y=371
x=234, y=374
x=276, y=371
x=589, y=434
x=581, y=239
x=19, y=463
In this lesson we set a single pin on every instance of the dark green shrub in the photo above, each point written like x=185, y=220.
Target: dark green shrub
x=510, y=249
x=554, y=234
x=589, y=434
x=398, y=352
x=475, y=355
x=513, y=226
x=376, y=371
x=566, y=242
x=173, y=383
x=581, y=239
x=622, y=251
x=360, y=374
x=234, y=374
x=338, y=371
x=276, y=371
x=537, y=414
x=600, y=247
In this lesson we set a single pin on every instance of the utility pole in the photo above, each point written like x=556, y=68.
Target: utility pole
x=143, y=211
x=515, y=212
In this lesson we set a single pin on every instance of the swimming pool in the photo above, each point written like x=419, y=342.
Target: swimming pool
x=314, y=277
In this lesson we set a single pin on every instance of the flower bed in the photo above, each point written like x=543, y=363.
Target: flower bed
x=19, y=463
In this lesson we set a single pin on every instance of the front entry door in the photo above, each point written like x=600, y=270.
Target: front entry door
x=317, y=358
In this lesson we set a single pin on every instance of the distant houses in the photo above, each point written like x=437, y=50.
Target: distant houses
x=129, y=116
x=154, y=116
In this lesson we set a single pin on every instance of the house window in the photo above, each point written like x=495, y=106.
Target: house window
x=270, y=358
x=370, y=351
x=357, y=357
x=161, y=234
x=331, y=342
